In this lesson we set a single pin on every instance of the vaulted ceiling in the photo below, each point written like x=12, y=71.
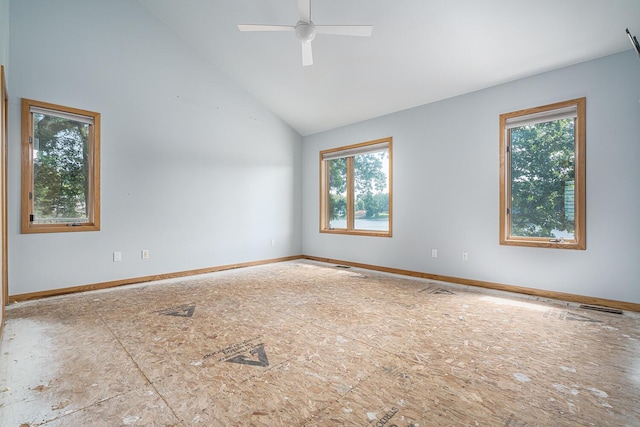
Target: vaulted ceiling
x=420, y=51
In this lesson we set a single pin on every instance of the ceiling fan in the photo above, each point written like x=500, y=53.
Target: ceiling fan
x=305, y=30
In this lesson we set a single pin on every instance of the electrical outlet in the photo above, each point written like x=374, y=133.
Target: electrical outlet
x=465, y=255
x=434, y=253
x=117, y=256
x=144, y=254
x=273, y=242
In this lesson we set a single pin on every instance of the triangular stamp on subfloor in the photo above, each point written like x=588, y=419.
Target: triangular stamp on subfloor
x=260, y=358
x=441, y=291
x=581, y=318
x=182, y=311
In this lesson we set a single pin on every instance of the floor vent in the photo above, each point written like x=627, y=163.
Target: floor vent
x=342, y=266
x=603, y=309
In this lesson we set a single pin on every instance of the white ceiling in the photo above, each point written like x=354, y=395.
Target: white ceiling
x=420, y=51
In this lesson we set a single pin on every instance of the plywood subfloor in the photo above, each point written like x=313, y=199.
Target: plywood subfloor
x=308, y=344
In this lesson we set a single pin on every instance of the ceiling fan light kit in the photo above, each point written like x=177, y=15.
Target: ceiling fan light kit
x=305, y=30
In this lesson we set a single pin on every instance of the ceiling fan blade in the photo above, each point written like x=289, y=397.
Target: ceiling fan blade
x=260, y=27
x=345, y=30
x=307, y=56
x=304, y=9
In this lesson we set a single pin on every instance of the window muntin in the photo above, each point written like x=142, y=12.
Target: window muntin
x=355, y=195
x=542, y=169
x=60, y=168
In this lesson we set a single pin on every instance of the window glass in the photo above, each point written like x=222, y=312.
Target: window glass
x=60, y=169
x=542, y=179
x=371, y=188
x=338, y=193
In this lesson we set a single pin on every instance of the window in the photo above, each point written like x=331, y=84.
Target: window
x=355, y=189
x=60, y=168
x=542, y=176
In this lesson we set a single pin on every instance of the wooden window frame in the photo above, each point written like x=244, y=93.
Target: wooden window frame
x=579, y=240
x=4, y=260
x=324, y=189
x=93, y=204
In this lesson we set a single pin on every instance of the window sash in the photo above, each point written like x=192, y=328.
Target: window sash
x=351, y=152
x=61, y=114
x=570, y=112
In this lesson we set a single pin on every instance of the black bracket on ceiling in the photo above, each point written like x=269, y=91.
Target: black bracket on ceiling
x=634, y=42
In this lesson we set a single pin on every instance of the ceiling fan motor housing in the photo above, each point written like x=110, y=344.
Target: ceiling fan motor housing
x=305, y=31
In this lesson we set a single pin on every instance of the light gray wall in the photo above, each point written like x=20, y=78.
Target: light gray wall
x=201, y=174
x=446, y=175
x=4, y=33
x=193, y=168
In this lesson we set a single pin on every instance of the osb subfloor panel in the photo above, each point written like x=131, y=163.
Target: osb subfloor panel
x=309, y=344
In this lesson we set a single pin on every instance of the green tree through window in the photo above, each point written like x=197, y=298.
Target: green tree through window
x=370, y=182
x=338, y=189
x=542, y=168
x=60, y=169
